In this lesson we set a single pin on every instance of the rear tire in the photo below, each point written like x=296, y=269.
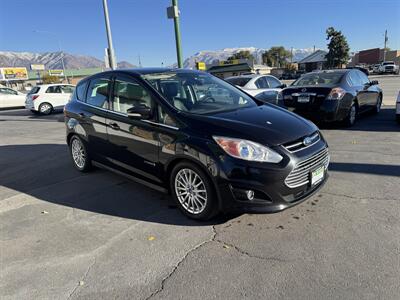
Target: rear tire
x=193, y=191
x=352, y=115
x=79, y=154
x=45, y=108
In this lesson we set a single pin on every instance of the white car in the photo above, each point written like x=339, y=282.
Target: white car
x=11, y=98
x=398, y=108
x=263, y=87
x=46, y=98
x=388, y=67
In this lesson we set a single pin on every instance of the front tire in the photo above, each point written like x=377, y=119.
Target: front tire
x=378, y=105
x=193, y=191
x=79, y=154
x=45, y=108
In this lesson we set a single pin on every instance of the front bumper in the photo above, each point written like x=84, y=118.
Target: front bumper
x=271, y=194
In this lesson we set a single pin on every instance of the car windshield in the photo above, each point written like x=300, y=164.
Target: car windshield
x=318, y=79
x=388, y=63
x=239, y=81
x=198, y=93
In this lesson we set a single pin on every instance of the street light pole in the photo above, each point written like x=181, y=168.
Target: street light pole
x=111, y=55
x=173, y=13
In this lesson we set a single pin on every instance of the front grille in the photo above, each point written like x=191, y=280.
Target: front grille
x=300, y=175
x=299, y=144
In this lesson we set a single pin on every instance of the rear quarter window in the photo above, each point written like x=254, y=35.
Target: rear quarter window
x=34, y=90
x=80, y=91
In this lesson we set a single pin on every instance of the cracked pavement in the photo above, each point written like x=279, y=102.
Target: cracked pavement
x=66, y=235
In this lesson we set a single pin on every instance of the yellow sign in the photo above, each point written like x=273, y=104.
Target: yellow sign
x=56, y=72
x=201, y=66
x=229, y=62
x=14, y=73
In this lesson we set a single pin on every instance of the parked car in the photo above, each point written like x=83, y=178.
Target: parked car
x=375, y=68
x=388, y=67
x=213, y=151
x=47, y=98
x=333, y=95
x=10, y=98
x=256, y=85
x=398, y=108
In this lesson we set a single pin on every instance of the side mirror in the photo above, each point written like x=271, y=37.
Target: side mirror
x=139, y=112
x=374, y=82
x=283, y=85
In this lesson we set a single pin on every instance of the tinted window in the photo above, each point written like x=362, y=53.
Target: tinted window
x=273, y=82
x=67, y=89
x=239, y=81
x=34, y=90
x=364, y=78
x=80, y=90
x=97, y=94
x=8, y=91
x=198, y=93
x=353, y=79
x=268, y=96
x=54, y=89
x=165, y=118
x=319, y=79
x=261, y=83
x=128, y=94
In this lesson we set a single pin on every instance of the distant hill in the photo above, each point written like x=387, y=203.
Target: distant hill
x=211, y=56
x=52, y=60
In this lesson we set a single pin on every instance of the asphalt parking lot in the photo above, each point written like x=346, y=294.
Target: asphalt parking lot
x=67, y=235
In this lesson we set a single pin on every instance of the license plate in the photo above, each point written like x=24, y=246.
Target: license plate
x=317, y=175
x=303, y=99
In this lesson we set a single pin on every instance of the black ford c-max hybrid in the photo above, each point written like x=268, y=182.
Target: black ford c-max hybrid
x=210, y=145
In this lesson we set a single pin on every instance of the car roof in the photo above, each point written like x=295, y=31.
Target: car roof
x=53, y=84
x=333, y=71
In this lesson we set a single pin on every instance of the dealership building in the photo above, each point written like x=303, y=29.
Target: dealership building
x=375, y=56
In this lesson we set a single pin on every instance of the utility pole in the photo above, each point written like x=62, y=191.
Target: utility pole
x=384, y=47
x=173, y=13
x=111, y=54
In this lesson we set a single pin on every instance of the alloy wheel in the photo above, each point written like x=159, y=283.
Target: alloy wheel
x=45, y=108
x=190, y=191
x=78, y=153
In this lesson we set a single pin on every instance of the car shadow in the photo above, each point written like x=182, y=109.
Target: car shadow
x=375, y=169
x=384, y=121
x=56, y=116
x=34, y=171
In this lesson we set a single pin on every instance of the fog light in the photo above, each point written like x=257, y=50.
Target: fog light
x=250, y=194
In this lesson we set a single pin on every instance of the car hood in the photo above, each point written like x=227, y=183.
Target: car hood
x=266, y=124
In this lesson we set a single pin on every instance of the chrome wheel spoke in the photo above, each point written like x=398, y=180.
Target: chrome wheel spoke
x=190, y=191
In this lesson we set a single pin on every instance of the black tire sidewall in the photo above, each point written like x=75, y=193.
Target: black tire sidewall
x=212, y=203
x=347, y=121
x=379, y=100
x=87, y=166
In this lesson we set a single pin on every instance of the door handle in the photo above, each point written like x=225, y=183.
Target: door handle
x=114, y=126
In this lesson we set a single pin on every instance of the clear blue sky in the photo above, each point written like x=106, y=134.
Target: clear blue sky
x=141, y=26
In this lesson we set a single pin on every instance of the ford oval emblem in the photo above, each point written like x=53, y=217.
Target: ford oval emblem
x=307, y=141
x=303, y=90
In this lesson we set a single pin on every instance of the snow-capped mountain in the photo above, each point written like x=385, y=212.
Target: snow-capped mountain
x=52, y=60
x=211, y=56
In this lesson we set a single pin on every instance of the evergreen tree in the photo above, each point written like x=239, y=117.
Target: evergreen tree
x=338, y=48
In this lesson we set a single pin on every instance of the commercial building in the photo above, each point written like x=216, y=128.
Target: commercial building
x=375, y=56
x=315, y=61
x=236, y=67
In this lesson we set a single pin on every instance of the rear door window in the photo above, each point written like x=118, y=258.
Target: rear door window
x=54, y=90
x=98, y=92
x=67, y=89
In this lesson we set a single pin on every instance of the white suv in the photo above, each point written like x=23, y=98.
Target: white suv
x=46, y=98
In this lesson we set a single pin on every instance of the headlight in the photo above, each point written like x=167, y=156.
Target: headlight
x=336, y=94
x=247, y=150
